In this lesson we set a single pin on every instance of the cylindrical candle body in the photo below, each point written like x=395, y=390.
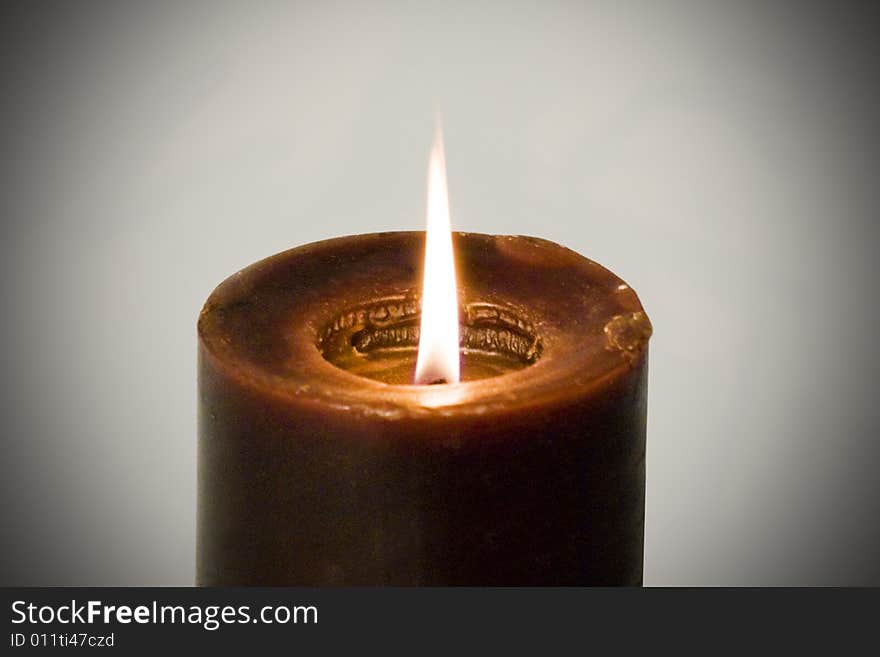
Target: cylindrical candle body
x=312, y=475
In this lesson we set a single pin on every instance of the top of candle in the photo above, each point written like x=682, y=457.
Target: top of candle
x=277, y=326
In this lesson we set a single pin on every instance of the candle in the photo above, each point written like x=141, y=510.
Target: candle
x=321, y=461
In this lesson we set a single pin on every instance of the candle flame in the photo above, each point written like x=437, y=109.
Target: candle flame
x=438, y=359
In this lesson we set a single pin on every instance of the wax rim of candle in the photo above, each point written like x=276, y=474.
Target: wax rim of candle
x=311, y=283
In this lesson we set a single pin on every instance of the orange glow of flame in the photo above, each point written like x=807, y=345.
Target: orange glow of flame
x=438, y=360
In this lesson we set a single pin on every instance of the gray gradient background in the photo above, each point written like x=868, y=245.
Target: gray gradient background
x=720, y=157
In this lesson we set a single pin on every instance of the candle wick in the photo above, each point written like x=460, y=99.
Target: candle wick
x=437, y=382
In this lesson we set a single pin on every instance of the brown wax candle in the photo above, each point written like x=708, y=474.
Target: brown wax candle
x=320, y=463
